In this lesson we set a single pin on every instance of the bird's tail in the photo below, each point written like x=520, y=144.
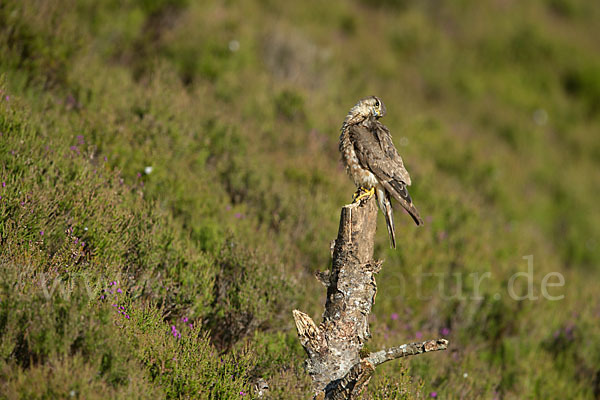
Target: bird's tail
x=385, y=205
x=400, y=193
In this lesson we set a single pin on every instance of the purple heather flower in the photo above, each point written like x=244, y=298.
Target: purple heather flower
x=191, y=326
x=74, y=148
x=242, y=394
x=445, y=331
x=80, y=139
x=418, y=335
x=7, y=98
x=394, y=316
x=119, y=290
x=127, y=316
x=105, y=159
x=238, y=215
x=433, y=394
x=102, y=297
x=41, y=233
x=569, y=332
x=3, y=184
x=184, y=319
x=174, y=332
x=115, y=305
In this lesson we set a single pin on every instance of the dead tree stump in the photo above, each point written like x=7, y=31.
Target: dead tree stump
x=334, y=361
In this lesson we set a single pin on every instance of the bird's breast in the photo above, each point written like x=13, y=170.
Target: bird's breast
x=360, y=175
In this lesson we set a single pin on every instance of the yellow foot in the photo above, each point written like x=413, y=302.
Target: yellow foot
x=363, y=193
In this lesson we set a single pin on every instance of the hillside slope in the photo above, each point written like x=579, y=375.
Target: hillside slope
x=171, y=183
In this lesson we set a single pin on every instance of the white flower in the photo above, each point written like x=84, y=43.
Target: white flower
x=234, y=46
x=148, y=170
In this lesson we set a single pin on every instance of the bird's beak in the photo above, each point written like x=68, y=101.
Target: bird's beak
x=376, y=112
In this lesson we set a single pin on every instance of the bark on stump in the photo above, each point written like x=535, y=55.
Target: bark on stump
x=334, y=361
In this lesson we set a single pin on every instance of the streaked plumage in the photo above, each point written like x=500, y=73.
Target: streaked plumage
x=372, y=161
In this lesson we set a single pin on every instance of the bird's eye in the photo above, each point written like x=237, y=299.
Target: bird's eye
x=376, y=103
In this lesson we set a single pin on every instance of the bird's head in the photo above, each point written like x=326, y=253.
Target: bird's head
x=369, y=107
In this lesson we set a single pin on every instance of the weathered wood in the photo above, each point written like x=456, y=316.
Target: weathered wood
x=353, y=384
x=334, y=362
x=334, y=346
x=410, y=349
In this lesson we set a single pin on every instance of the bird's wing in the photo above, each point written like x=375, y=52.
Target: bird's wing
x=385, y=140
x=381, y=158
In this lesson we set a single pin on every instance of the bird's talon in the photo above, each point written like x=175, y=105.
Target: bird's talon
x=363, y=193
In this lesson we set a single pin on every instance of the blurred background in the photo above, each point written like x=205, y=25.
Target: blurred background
x=171, y=183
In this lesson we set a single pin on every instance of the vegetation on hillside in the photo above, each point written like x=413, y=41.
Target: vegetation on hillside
x=170, y=183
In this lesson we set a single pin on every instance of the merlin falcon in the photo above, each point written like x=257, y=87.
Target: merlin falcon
x=373, y=162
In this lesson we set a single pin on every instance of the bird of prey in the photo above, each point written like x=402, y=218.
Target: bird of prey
x=373, y=162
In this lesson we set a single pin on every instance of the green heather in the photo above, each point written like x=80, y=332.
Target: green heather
x=171, y=183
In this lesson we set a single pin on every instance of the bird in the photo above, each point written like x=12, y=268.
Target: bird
x=373, y=163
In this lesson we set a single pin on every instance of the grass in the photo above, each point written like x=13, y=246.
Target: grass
x=188, y=152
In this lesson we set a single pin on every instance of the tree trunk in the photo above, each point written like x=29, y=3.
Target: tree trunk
x=334, y=361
